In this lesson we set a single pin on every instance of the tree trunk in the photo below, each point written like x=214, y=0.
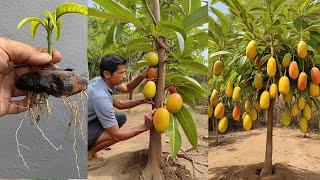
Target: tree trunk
x=130, y=93
x=216, y=130
x=210, y=127
x=267, y=167
x=152, y=169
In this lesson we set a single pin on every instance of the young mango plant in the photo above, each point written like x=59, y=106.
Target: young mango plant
x=173, y=38
x=52, y=81
x=58, y=83
x=258, y=62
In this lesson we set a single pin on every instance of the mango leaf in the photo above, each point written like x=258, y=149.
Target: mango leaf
x=222, y=17
x=50, y=16
x=121, y=11
x=96, y=13
x=70, y=8
x=218, y=53
x=58, y=30
x=140, y=45
x=187, y=96
x=140, y=64
x=33, y=28
x=110, y=36
x=196, y=18
x=195, y=4
x=165, y=25
x=180, y=80
x=194, y=66
x=186, y=121
x=180, y=41
x=174, y=136
x=29, y=19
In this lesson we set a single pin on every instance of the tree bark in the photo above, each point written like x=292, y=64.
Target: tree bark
x=216, y=130
x=152, y=169
x=267, y=167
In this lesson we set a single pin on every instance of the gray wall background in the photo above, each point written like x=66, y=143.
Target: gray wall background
x=43, y=160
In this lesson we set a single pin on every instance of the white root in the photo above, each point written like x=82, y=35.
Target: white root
x=75, y=152
x=18, y=144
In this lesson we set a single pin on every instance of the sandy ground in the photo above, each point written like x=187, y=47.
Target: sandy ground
x=123, y=153
x=247, y=148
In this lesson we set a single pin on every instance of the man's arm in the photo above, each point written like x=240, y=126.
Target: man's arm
x=126, y=88
x=123, y=134
x=127, y=104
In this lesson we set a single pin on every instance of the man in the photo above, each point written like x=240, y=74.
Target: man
x=25, y=58
x=103, y=124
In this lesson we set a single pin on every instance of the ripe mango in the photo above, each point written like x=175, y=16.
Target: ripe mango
x=301, y=103
x=314, y=89
x=174, y=102
x=253, y=114
x=273, y=90
x=149, y=90
x=286, y=60
x=223, y=124
x=251, y=50
x=271, y=67
x=219, y=111
x=285, y=118
x=307, y=112
x=247, y=122
x=294, y=110
x=315, y=75
x=302, y=49
x=302, y=81
x=152, y=59
x=284, y=85
x=293, y=70
x=303, y=125
x=161, y=120
x=236, y=112
x=236, y=94
x=265, y=100
x=229, y=89
x=152, y=73
x=214, y=98
x=244, y=115
x=217, y=68
x=258, y=81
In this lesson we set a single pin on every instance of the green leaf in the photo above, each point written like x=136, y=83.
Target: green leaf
x=218, y=53
x=50, y=17
x=180, y=80
x=187, y=95
x=222, y=17
x=33, y=28
x=110, y=36
x=186, y=121
x=140, y=45
x=27, y=20
x=71, y=8
x=58, y=30
x=96, y=13
x=165, y=25
x=140, y=64
x=174, y=136
x=194, y=66
x=180, y=41
x=186, y=5
x=122, y=12
x=196, y=18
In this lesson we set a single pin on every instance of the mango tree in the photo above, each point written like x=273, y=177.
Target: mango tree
x=173, y=36
x=268, y=55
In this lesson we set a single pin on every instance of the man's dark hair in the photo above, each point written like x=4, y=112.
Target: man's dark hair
x=110, y=63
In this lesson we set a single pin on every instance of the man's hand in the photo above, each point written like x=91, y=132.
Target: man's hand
x=28, y=58
x=148, y=117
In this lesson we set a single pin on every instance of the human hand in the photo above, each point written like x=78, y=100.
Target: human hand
x=27, y=58
x=148, y=117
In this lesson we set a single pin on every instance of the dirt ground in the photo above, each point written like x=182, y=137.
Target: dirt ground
x=127, y=159
x=239, y=155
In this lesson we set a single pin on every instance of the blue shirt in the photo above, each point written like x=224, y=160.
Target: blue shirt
x=100, y=102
